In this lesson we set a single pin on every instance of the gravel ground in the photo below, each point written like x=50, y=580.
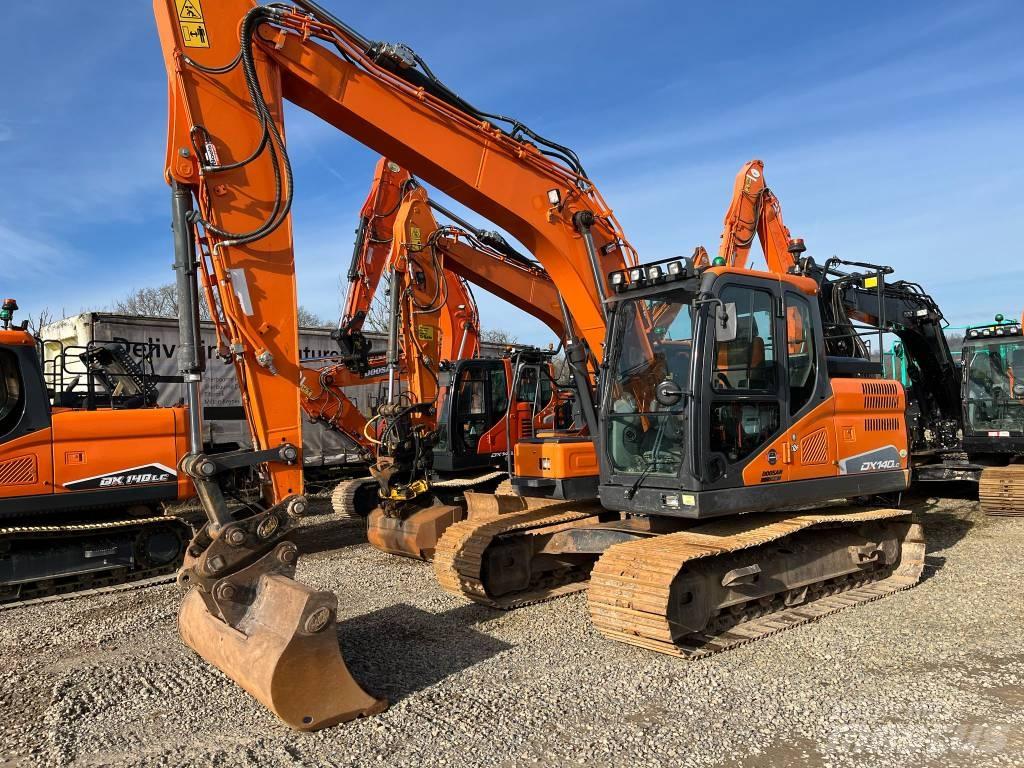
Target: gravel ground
x=933, y=676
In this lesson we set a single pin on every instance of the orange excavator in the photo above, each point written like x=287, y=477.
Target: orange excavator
x=965, y=425
x=455, y=318
x=84, y=480
x=460, y=415
x=438, y=328
x=706, y=426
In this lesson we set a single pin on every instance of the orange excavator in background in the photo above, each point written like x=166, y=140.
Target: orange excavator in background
x=439, y=328
x=463, y=416
x=455, y=412
x=706, y=427
x=946, y=406
x=456, y=319
x=84, y=479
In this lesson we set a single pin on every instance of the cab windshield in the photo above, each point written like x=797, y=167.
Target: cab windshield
x=652, y=343
x=995, y=386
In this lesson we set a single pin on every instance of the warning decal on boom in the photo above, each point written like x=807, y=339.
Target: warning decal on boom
x=193, y=26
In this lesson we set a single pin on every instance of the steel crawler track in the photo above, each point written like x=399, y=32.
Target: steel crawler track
x=1001, y=491
x=85, y=585
x=458, y=559
x=630, y=587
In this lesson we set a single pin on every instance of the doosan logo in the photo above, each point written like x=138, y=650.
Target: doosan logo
x=147, y=477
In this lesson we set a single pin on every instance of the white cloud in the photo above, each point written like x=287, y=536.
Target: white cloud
x=26, y=254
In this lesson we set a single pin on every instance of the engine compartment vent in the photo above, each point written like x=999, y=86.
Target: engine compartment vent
x=20, y=470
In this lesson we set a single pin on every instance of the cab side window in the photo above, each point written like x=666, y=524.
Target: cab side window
x=801, y=355
x=499, y=390
x=745, y=412
x=748, y=361
x=12, y=393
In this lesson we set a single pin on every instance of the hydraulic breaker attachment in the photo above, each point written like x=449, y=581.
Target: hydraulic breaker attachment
x=245, y=614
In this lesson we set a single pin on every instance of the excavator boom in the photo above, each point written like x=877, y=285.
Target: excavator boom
x=227, y=162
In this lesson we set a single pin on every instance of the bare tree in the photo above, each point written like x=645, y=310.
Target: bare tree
x=376, y=320
x=310, y=319
x=155, y=301
x=162, y=301
x=498, y=336
x=41, y=319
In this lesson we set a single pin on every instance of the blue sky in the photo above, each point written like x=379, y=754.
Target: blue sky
x=890, y=131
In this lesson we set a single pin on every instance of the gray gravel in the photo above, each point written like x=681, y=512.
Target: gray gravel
x=933, y=676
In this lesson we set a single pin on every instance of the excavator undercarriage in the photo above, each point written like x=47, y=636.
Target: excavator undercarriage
x=674, y=586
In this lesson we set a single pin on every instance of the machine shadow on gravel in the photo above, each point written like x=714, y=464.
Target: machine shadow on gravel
x=399, y=650
x=944, y=527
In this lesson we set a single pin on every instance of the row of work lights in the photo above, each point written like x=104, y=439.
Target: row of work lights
x=993, y=331
x=655, y=273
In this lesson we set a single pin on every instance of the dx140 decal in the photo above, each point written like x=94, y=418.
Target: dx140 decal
x=147, y=474
x=878, y=460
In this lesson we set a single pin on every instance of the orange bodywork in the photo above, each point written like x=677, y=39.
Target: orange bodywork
x=80, y=445
x=556, y=460
x=862, y=416
x=440, y=319
x=755, y=211
x=379, y=212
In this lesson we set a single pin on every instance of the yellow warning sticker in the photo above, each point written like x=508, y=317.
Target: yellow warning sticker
x=192, y=23
x=194, y=35
x=189, y=10
x=425, y=332
x=415, y=236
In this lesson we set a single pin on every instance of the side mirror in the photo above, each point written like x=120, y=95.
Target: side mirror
x=725, y=322
x=668, y=393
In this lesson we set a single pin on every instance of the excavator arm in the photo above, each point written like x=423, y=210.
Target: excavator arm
x=861, y=296
x=230, y=66
x=755, y=212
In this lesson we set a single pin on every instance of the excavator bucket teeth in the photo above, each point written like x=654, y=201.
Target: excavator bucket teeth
x=284, y=652
x=414, y=535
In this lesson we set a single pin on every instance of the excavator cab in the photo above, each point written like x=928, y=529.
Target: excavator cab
x=993, y=384
x=718, y=387
x=488, y=404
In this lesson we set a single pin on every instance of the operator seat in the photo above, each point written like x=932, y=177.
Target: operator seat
x=741, y=362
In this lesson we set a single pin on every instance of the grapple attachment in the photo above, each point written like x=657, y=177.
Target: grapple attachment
x=275, y=637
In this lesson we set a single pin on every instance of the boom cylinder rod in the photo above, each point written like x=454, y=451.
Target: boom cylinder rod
x=394, y=309
x=190, y=364
x=576, y=359
x=584, y=220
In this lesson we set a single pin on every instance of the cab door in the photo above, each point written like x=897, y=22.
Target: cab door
x=746, y=388
x=479, y=399
x=26, y=465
